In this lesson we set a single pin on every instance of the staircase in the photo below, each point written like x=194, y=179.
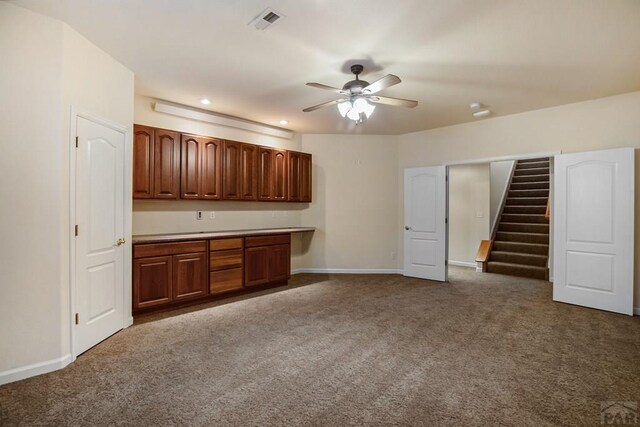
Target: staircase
x=521, y=244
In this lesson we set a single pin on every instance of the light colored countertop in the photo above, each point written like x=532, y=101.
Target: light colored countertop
x=176, y=237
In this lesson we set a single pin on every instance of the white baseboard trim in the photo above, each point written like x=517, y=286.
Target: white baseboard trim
x=636, y=311
x=462, y=263
x=347, y=270
x=39, y=368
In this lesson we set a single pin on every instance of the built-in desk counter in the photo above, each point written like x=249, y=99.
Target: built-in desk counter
x=170, y=269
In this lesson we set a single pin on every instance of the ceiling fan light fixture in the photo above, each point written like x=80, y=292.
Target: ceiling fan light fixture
x=354, y=115
x=344, y=107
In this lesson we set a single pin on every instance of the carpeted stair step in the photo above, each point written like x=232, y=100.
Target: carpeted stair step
x=533, y=165
x=517, y=270
x=510, y=236
x=527, y=248
x=533, y=171
x=519, y=258
x=526, y=218
x=536, y=192
x=521, y=201
x=541, y=185
x=537, y=159
x=530, y=210
x=530, y=178
x=523, y=227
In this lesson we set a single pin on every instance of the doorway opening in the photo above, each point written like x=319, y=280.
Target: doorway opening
x=499, y=217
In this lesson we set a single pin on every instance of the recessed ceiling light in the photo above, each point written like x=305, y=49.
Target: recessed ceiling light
x=284, y=122
x=205, y=101
x=481, y=113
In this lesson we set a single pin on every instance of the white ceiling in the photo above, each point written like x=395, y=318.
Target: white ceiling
x=513, y=55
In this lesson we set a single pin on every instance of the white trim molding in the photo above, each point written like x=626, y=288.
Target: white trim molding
x=220, y=119
x=34, y=369
x=347, y=270
x=462, y=264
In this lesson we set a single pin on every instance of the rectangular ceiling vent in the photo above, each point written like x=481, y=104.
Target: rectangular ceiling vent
x=266, y=18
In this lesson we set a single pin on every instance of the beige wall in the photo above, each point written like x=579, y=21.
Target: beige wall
x=599, y=124
x=45, y=70
x=173, y=216
x=354, y=202
x=469, y=211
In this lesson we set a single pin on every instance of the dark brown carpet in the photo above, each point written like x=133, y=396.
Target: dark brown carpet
x=482, y=350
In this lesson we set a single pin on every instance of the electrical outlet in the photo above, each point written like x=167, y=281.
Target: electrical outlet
x=198, y=215
x=212, y=215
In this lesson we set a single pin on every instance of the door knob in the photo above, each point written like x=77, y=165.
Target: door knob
x=406, y=227
x=120, y=242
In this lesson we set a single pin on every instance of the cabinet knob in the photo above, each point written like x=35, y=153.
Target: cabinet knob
x=120, y=242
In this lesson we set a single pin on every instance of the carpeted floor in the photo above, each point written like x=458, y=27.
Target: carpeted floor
x=339, y=350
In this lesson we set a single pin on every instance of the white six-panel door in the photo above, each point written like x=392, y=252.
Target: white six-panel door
x=593, y=229
x=99, y=278
x=425, y=207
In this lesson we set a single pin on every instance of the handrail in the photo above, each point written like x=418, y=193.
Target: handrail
x=484, y=250
x=547, y=214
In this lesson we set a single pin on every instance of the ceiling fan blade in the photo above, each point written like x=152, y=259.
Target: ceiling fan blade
x=326, y=104
x=325, y=87
x=383, y=83
x=396, y=102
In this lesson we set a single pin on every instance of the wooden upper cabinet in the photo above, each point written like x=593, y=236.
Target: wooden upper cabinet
x=232, y=178
x=190, y=167
x=143, y=162
x=265, y=173
x=166, y=183
x=280, y=175
x=299, y=177
x=294, y=176
x=249, y=172
x=306, y=168
x=212, y=169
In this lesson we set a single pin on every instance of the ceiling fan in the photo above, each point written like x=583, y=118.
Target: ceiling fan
x=359, y=96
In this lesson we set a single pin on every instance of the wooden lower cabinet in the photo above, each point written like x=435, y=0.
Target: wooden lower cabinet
x=152, y=278
x=267, y=259
x=189, y=276
x=165, y=274
x=257, y=266
x=226, y=262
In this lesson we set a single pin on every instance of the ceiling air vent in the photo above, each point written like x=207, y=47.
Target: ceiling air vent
x=266, y=18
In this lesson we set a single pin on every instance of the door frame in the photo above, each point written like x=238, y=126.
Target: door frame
x=500, y=159
x=127, y=320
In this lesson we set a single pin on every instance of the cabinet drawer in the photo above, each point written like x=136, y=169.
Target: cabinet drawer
x=161, y=249
x=225, y=280
x=276, y=239
x=224, y=244
x=221, y=260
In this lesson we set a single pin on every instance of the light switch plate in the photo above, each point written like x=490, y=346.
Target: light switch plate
x=198, y=215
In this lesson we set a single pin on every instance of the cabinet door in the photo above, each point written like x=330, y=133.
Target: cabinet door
x=306, y=167
x=211, y=169
x=256, y=262
x=190, y=166
x=265, y=173
x=280, y=174
x=279, y=262
x=152, y=281
x=190, y=276
x=249, y=172
x=143, y=163
x=232, y=175
x=166, y=183
x=294, y=176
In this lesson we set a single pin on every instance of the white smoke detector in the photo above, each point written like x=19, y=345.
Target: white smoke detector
x=266, y=18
